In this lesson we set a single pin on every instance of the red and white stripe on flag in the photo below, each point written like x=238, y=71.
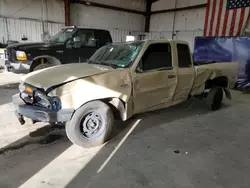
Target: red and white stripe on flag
x=222, y=21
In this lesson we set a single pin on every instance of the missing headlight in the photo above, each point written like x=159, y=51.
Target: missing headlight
x=42, y=100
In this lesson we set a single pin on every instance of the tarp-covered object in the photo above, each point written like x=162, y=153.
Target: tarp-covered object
x=225, y=49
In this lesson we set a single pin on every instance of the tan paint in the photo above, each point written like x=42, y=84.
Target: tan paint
x=140, y=92
x=63, y=74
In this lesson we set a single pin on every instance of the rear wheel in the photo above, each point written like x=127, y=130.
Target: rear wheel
x=214, y=98
x=91, y=125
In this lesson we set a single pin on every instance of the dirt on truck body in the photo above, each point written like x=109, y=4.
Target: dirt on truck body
x=119, y=81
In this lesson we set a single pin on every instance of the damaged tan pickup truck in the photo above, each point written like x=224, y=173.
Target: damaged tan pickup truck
x=119, y=81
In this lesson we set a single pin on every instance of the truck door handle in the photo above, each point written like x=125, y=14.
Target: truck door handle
x=171, y=76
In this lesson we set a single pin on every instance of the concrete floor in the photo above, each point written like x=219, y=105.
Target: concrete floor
x=183, y=146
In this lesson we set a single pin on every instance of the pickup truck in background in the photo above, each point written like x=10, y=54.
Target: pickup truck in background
x=70, y=45
x=119, y=81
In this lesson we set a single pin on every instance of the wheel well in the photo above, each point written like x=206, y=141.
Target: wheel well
x=117, y=106
x=221, y=81
x=42, y=60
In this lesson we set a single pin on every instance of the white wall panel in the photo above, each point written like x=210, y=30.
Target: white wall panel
x=139, y=5
x=3, y=32
x=163, y=4
x=188, y=24
x=15, y=29
x=95, y=17
x=34, y=9
x=162, y=22
x=186, y=3
x=170, y=4
x=190, y=19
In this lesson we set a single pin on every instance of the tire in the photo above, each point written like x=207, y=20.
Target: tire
x=42, y=66
x=83, y=120
x=214, y=98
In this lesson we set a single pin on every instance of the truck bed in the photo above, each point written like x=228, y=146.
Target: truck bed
x=214, y=70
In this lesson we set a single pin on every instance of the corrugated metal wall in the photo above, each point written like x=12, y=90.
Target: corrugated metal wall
x=96, y=17
x=188, y=23
x=29, y=18
x=15, y=29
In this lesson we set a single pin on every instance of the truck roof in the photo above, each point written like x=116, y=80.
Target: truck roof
x=80, y=27
x=153, y=41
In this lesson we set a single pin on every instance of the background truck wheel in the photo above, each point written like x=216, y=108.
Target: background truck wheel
x=214, y=98
x=42, y=66
x=91, y=125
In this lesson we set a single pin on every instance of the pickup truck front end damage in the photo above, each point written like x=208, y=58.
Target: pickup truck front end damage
x=36, y=105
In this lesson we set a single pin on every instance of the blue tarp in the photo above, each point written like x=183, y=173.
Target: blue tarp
x=224, y=49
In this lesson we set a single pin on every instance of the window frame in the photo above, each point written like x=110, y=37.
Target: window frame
x=138, y=68
x=191, y=63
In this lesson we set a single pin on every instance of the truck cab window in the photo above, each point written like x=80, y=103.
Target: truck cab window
x=84, y=38
x=184, y=58
x=157, y=56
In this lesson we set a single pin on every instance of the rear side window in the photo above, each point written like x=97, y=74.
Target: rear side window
x=103, y=37
x=157, y=56
x=184, y=56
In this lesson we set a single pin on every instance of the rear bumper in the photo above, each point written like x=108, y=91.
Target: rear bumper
x=17, y=67
x=39, y=114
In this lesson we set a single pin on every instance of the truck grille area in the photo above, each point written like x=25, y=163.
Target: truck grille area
x=36, y=98
x=27, y=98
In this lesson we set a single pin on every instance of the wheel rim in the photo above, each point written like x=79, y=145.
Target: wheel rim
x=91, y=124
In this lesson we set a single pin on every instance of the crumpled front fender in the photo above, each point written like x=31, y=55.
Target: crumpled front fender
x=74, y=94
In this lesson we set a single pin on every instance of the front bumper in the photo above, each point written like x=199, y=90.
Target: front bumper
x=39, y=114
x=17, y=67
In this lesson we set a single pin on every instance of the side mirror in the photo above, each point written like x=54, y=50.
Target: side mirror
x=139, y=68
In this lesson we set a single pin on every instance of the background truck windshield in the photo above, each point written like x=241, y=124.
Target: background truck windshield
x=120, y=55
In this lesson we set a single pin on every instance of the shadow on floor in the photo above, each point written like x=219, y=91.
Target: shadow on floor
x=157, y=133
x=30, y=154
x=151, y=152
x=6, y=92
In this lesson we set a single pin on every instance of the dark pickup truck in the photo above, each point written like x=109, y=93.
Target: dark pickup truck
x=71, y=45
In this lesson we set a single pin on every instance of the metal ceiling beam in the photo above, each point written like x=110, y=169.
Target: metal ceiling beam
x=148, y=15
x=67, y=12
x=108, y=7
x=179, y=9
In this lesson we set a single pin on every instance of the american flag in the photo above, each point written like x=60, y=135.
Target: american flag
x=226, y=17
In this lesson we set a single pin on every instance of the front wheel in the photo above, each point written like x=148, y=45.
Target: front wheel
x=91, y=125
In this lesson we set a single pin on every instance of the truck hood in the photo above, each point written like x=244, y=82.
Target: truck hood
x=37, y=45
x=61, y=74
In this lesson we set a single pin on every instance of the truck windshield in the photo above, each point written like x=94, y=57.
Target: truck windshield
x=62, y=35
x=117, y=55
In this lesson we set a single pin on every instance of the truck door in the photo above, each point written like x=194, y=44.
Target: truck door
x=155, y=79
x=186, y=72
x=82, y=46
